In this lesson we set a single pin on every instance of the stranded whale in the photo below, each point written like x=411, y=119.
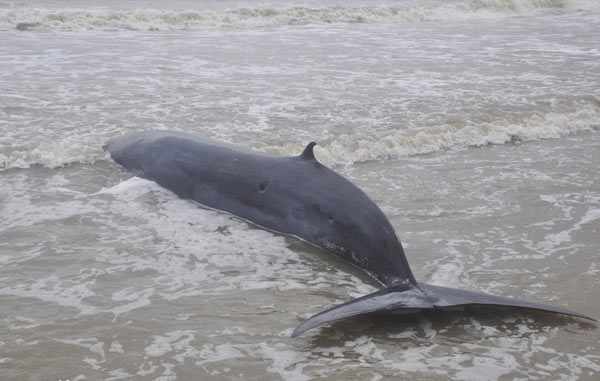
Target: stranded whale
x=298, y=196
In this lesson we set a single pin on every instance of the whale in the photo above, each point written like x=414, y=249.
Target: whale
x=298, y=196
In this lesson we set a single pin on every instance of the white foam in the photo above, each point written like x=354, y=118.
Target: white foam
x=556, y=241
x=346, y=149
x=154, y=19
x=53, y=290
x=171, y=341
x=116, y=347
x=50, y=152
x=136, y=299
x=132, y=188
x=91, y=343
x=343, y=149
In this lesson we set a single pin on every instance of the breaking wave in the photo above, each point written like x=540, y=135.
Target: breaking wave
x=159, y=20
x=51, y=153
x=347, y=149
x=344, y=149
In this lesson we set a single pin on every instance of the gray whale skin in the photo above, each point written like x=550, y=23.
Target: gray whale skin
x=298, y=196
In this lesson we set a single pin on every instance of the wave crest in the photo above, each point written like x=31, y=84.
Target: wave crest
x=50, y=153
x=344, y=149
x=156, y=20
x=348, y=149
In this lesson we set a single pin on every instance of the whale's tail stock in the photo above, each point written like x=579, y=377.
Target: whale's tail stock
x=421, y=297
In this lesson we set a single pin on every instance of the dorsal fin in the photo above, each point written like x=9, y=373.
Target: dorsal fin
x=308, y=154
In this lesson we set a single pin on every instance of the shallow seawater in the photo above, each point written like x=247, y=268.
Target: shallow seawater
x=119, y=277
x=473, y=125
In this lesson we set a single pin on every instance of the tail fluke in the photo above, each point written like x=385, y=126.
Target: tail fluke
x=447, y=297
x=422, y=296
x=392, y=298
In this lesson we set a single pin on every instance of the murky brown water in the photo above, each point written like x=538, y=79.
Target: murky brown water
x=104, y=276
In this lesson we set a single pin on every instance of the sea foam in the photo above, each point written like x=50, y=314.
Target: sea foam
x=347, y=149
x=344, y=149
x=157, y=20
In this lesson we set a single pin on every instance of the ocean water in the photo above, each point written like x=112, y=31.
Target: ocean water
x=473, y=124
